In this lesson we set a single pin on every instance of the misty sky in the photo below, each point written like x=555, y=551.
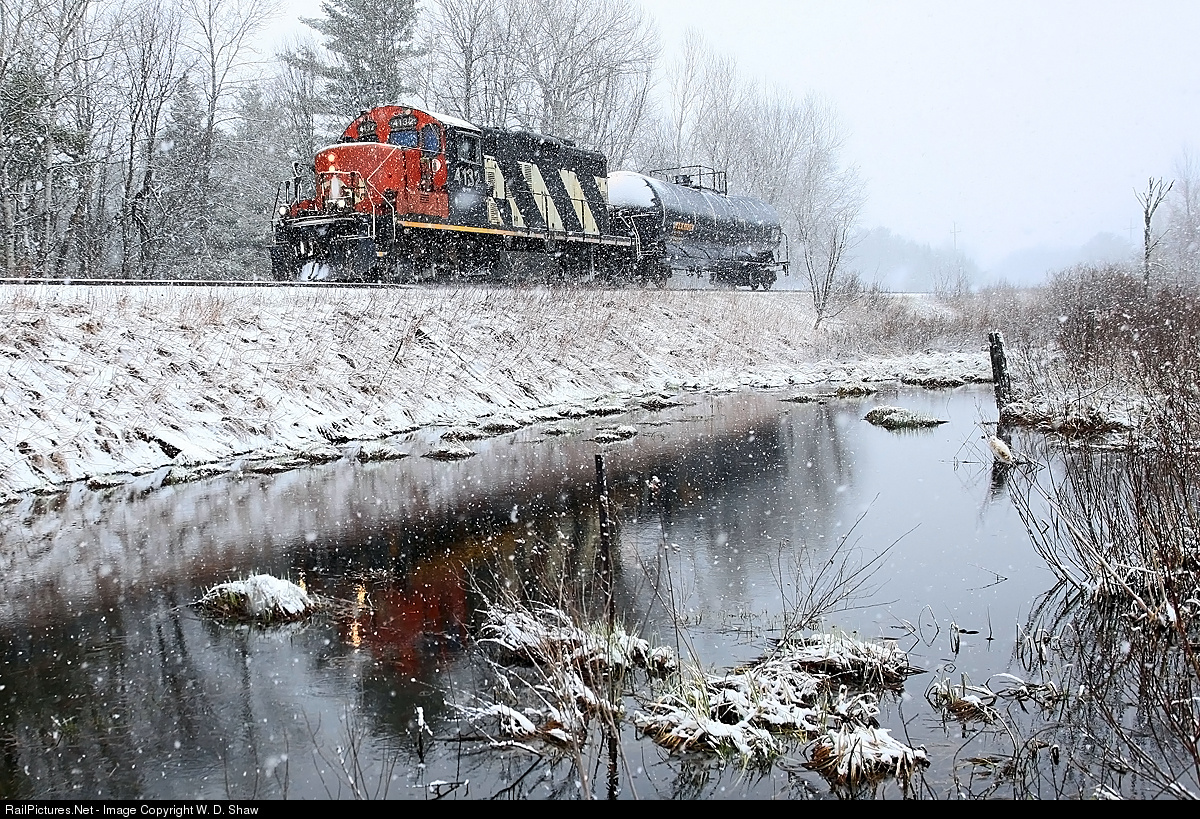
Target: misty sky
x=1024, y=123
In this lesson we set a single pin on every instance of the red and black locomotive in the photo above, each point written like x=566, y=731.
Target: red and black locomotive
x=411, y=196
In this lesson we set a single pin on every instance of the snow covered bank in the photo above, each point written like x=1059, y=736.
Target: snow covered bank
x=102, y=382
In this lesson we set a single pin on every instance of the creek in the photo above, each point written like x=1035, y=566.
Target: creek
x=113, y=686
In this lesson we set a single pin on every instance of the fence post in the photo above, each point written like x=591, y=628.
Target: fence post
x=605, y=541
x=1000, y=377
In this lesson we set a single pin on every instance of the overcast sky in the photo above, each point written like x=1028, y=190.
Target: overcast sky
x=1023, y=123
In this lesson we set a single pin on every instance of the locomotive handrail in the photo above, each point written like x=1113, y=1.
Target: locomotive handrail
x=275, y=215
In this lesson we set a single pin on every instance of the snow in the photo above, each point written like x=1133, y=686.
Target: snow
x=788, y=691
x=160, y=385
x=445, y=119
x=857, y=753
x=629, y=190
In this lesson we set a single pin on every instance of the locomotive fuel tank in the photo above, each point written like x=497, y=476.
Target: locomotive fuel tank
x=687, y=226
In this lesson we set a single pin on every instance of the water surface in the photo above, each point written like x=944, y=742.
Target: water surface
x=114, y=686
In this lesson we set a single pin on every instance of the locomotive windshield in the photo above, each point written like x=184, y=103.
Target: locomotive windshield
x=402, y=131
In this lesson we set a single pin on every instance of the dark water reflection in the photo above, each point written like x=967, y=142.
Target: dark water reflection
x=112, y=686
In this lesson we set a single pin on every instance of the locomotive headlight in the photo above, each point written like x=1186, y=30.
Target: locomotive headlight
x=282, y=210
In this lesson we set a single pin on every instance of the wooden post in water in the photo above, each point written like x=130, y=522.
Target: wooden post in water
x=1003, y=385
x=1000, y=377
x=605, y=541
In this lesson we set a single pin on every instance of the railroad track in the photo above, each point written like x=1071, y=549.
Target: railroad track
x=201, y=283
x=70, y=282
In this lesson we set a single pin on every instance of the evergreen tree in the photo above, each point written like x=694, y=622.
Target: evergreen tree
x=370, y=43
x=180, y=210
x=258, y=160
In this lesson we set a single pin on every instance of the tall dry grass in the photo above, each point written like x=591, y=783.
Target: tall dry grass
x=1120, y=528
x=881, y=323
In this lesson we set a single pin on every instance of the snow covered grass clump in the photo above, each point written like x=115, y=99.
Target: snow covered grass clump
x=738, y=712
x=963, y=702
x=789, y=692
x=543, y=635
x=569, y=674
x=858, y=754
x=259, y=598
x=900, y=418
x=847, y=659
x=621, y=433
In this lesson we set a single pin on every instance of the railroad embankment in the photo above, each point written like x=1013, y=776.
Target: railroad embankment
x=103, y=383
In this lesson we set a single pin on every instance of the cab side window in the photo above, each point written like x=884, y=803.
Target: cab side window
x=431, y=140
x=468, y=149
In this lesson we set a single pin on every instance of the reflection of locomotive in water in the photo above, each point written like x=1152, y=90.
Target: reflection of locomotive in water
x=410, y=196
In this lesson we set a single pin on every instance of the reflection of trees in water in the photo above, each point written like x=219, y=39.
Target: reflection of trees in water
x=733, y=502
x=788, y=466
x=106, y=695
x=147, y=701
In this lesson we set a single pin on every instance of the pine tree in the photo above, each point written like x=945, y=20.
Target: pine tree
x=181, y=205
x=258, y=160
x=370, y=43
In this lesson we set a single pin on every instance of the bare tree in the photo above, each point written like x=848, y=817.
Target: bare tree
x=48, y=53
x=21, y=104
x=297, y=85
x=462, y=39
x=587, y=66
x=151, y=70
x=685, y=86
x=784, y=151
x=828, y=201
x=578, y=69
x=1156, y=192
x=220, y=39
x=1182, y=237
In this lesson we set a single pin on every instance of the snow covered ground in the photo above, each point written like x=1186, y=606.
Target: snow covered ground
x=103, y=383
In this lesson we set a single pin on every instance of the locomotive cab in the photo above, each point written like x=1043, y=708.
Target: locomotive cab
x=390, y=159
x=392, y=164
